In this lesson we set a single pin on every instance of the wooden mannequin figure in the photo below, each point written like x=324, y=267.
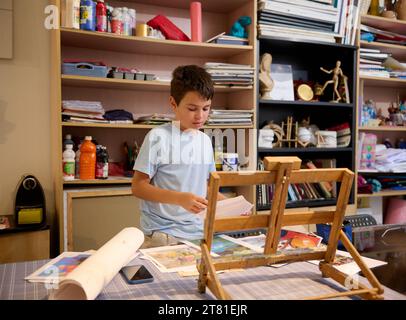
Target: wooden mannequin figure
x=266, y=83
x=337, y=72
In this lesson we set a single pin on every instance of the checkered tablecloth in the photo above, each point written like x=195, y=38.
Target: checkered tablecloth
x=292, y=281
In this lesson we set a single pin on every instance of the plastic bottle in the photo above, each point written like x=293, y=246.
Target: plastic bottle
x=109, y=13
x=116, y=22
x=71, y=14
x=68, y=140
x=68, y=163
x=87, y=159
x=218, y=154
x=102, y=163
x=77, y=163
x=87, y=15
x=126, y=19
x=133, y=16
x=101, y=16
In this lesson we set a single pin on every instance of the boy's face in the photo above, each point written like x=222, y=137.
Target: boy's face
x=192, y=111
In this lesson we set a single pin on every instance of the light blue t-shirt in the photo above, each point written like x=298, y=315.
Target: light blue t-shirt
x=179, y=161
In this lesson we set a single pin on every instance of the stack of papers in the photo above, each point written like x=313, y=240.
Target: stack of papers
x=371, y=63
x=230, y=74
x=153, y=118
x=226, y=117
x=223, y=38
x=83, y=111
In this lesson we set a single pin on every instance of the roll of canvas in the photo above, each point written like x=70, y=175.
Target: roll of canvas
x=196, y=21
x=96, y=272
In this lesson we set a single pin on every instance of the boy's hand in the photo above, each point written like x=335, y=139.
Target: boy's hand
x=192, y=202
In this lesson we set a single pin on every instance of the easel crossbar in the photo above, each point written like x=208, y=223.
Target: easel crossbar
x=261, y=221
x=230, y=179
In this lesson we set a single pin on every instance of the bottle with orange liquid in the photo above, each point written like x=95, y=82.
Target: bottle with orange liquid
x=87, y=159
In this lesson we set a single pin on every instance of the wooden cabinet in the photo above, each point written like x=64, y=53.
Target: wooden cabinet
x=24, y=246
x=159, y=57
x=383, y=91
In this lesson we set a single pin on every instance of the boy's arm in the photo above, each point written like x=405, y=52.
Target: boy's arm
x=141, y=188
x=220, y=196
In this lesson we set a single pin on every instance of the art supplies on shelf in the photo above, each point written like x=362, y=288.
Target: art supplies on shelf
x=83, y=111
x=230, y=117
x=230, y=74
x=223, y=38
x=309, y=20
x=371, y=63
x=153, y=118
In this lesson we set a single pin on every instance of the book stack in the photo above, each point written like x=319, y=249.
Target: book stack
x=382, y=35
x=153, y=118
x=229, y=74
x=230, y=117
x=301, y=193
x=307, y=20
x=371, y=63
x=83, y=111
x=223, y=38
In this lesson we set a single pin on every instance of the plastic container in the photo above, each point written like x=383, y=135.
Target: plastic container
x=218, y=154
x=133, y=16
x=68, y=140
x=102, y=163
x=230, y=161
x=149, y=77
x=126, y=19
x=87, y=159
x=116, y=22
x=77, y=163
x=87, y=15
x=140, y=76
x=68, y=163
x=101, y=16
x=70, y=14
x=84, y=69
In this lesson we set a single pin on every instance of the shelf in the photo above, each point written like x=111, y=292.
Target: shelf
x=383, y=128
x=392, y=25
x=384, y=193
x=148, y=46
x=383, y=82
x=139, y=85
x=216, y=6
x=292, y=42
x=112, y=180
x=398, y=51
x=142, y=126
x=306, y=103
x=302, y=203
x=304, y=150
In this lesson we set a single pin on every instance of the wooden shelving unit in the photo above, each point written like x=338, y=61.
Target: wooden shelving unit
x=309, y=56
x=138, y=85
x=383, y=91
x=383, y=193
x=142, y=126
x=152, y=56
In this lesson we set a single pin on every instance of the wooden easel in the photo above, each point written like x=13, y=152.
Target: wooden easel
x=282, y=171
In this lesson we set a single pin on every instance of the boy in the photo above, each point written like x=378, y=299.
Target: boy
x=175, y=162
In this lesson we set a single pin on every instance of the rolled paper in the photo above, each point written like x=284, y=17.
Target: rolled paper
x=196, y=21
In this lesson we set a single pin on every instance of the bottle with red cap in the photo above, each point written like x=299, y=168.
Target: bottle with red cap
x=101, y=16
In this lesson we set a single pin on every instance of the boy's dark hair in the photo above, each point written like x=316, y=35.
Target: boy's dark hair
x=191, y=78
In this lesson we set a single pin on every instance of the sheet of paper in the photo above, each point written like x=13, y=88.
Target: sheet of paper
x=92, y=275
x=231, y=207
x=345, y=263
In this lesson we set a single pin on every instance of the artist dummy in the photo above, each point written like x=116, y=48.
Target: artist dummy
x=337, y=72
x=265, y=81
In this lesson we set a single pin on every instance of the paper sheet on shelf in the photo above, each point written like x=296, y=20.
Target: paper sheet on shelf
x=91, y=276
